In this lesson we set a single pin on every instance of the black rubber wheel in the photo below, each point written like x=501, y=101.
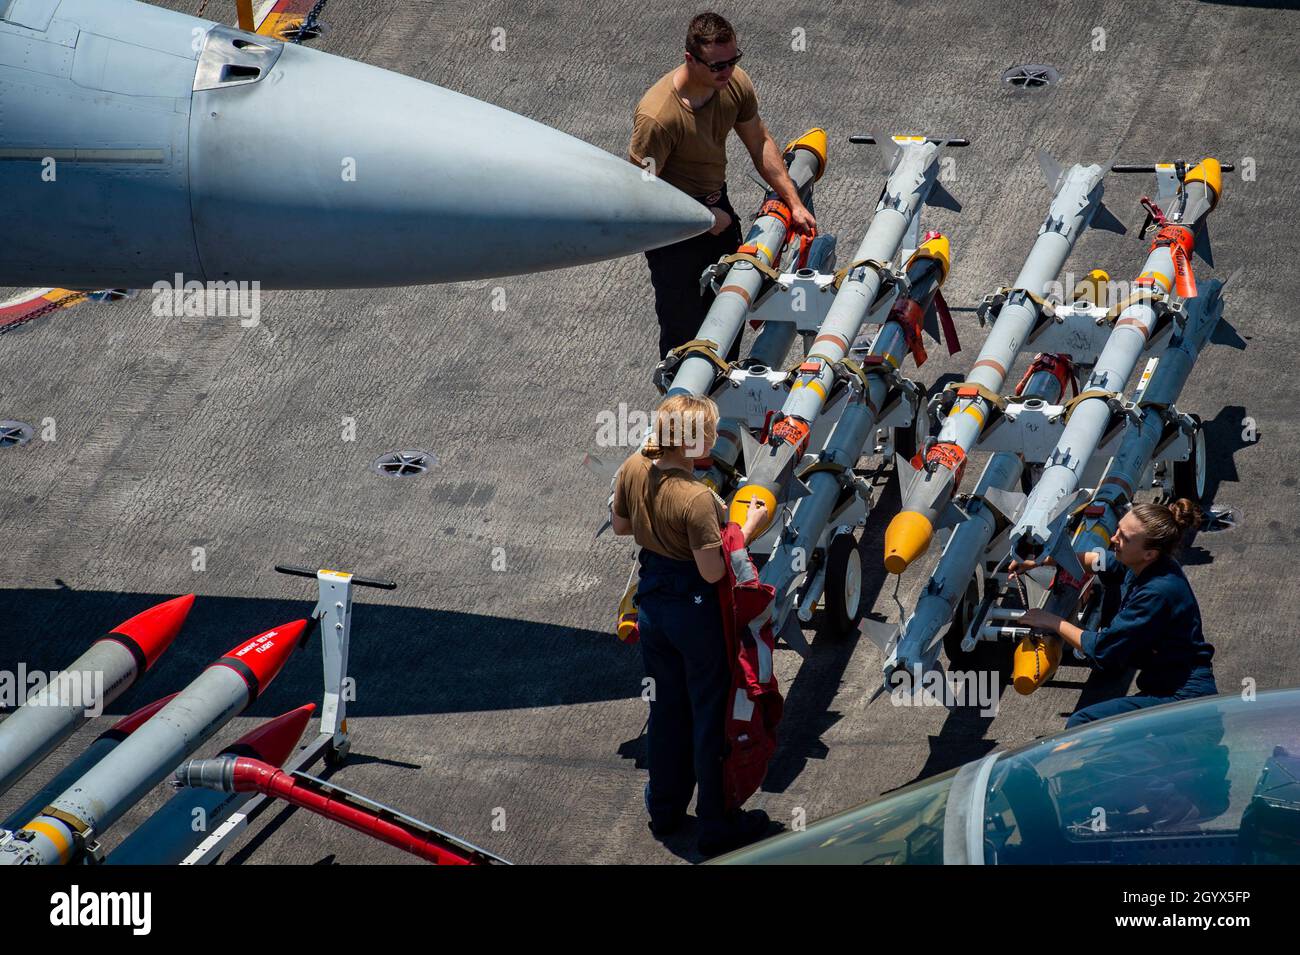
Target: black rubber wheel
x=958, y=658
x=843, y=591
x=1189, y=475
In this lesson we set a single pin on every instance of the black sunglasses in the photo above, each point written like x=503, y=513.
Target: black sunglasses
x=719, y=66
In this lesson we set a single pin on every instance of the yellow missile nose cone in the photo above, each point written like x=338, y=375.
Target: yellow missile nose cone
x=907, y=537
x=936, y=247
x=1035, y=661
x=1210, y=172
x=815, y=142
x=739, y=509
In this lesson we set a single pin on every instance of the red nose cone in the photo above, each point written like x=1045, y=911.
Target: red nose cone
x=260, y=659
x=274, y=740
x=129, y=724
x=149, y=633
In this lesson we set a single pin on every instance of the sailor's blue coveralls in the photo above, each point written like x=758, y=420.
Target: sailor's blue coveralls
x=685, y=652
x=1156, y=630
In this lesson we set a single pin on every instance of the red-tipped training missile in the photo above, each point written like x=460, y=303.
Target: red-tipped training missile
x=104, y=744
x=84, y=811
x=241, y=774
x=172, y=833
x=104, y=672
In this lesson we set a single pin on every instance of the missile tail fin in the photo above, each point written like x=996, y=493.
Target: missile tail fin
x=1106, y=220
x=1052, y=171
x=941, y=198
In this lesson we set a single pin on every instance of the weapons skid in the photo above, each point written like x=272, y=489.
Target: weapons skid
x=1093, y=428
x=846, y=389
x=1020, y=311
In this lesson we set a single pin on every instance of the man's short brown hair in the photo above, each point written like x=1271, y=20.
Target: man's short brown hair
x=708, y=29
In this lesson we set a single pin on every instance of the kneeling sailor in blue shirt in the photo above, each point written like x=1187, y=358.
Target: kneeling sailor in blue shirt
x=1157, y=628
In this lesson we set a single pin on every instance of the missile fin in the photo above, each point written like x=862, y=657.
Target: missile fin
x=882, y=633
x=941, y=198
x=1202, y=244
x=793, y=635
x=908, y=476
x=750, y=449
x=1006, y=504
x=1052, y=170
x=1106, y=220
x=952, y=516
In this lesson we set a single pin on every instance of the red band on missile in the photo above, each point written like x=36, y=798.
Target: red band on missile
x=735, y=290
x=1137, y=323
x=990, y=363
x=1121, y=484
x=838, y=340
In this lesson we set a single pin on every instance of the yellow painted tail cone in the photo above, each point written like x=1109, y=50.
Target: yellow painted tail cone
x=907, y=537
x=1036, y=660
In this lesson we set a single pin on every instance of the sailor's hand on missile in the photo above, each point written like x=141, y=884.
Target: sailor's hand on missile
x=1038, y=619
x=802, y=221
x=721, y=221
x=755, y=518
x=1026, y=565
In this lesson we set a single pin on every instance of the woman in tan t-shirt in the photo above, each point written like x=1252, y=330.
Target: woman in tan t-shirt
x=677, y=521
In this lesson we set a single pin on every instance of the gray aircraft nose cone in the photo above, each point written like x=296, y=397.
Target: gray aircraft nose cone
x=330, y=173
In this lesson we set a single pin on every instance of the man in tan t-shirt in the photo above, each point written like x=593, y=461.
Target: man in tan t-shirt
x=680, y=135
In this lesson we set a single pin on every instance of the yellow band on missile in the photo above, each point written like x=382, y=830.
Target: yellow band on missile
x=1209, y=172
x=815, y=142
x=938, y=249
x=55, y=834
x=1165, y=281
x=765, y=250
x=974, y=412
x=1036, y=659
x=739, y=509
x=812, y=383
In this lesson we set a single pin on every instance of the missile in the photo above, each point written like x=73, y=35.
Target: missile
x=139, y=144
x=1090, y=415
x=695, y=365
x=170, y=834
x=1036, y=656
x=927, y=491
x=93, y=680
x=769, y=467
x=104, y=744
x=64, y=830
x=912, y=649
x=910, y=183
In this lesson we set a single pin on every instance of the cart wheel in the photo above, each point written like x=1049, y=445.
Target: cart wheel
x=843, y=593
x=1189, y=475
x=958, y=658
